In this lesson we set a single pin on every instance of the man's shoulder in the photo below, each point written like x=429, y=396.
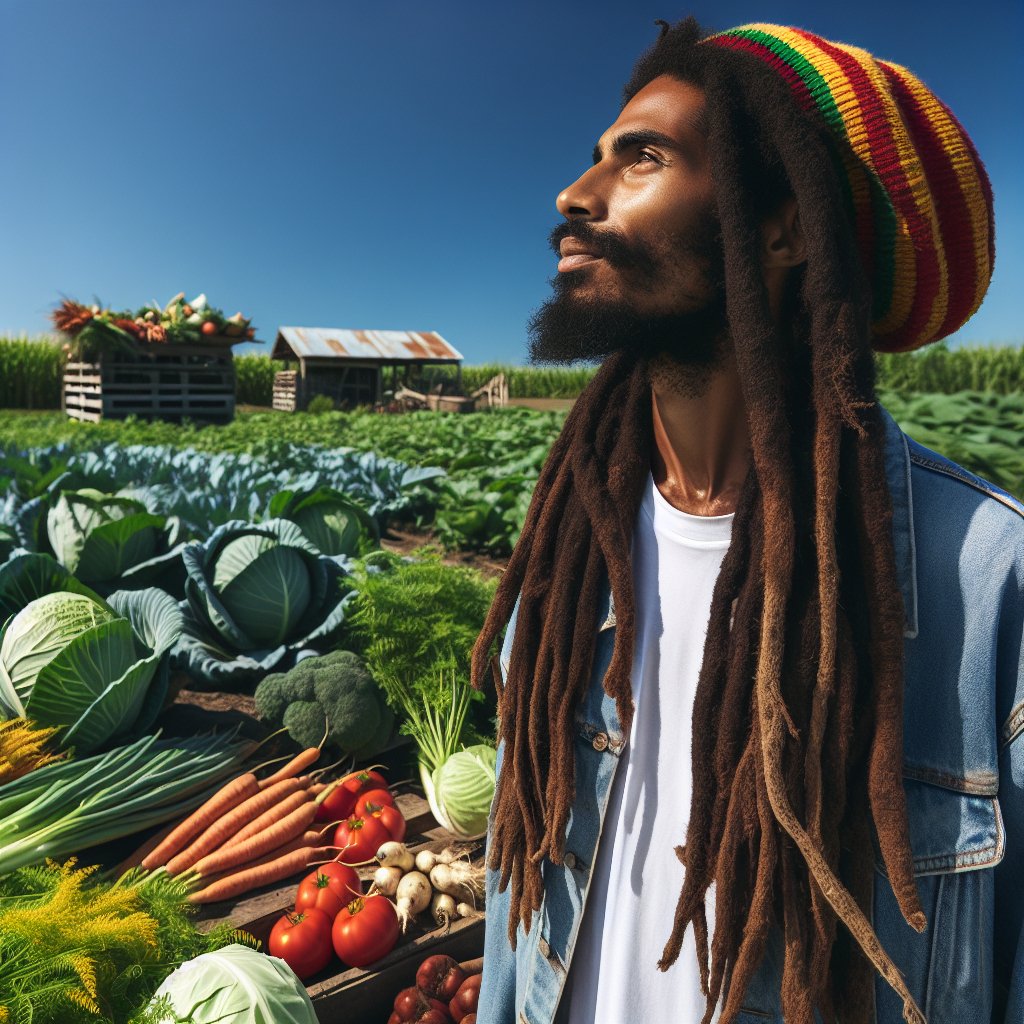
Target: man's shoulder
x=976, y=518
x=957, y=482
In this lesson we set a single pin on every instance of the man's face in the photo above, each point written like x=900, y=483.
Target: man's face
x=641, y=255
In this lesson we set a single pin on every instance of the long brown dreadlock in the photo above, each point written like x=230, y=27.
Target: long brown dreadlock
x=797, y=722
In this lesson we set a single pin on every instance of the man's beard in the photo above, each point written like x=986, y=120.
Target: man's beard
x=568, y=327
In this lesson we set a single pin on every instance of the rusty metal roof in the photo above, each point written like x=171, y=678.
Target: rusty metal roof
x=371, y=346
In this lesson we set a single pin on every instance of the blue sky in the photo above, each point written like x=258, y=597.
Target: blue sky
x=381, y=164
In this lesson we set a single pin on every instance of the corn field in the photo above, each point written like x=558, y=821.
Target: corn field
x=30, y=373
x=30, y=370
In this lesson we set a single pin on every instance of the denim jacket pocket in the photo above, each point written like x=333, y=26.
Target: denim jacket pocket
x=955, y=838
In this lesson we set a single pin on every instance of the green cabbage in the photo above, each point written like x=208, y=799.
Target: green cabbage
x=256, y=594
x=96, y=669
x=329, y=519
x=462, y=789
x=234, y=985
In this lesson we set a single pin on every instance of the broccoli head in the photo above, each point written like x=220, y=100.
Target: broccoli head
x=334, y=691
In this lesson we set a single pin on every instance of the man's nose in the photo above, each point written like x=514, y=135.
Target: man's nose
x=583, y=200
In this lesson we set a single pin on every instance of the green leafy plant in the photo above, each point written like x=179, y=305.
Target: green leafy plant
x=334, y=523
x=257, y=593
x=108, y=540
x=414, y=620
x=95, y=668
x=458, y=783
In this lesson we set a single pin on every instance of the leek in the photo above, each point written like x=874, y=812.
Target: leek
x=60, y=809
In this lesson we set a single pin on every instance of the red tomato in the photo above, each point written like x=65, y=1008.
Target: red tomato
x=380, y=797
x=341, y=801
x=365, y=930
x=302, y=941
x=358, y=839
x=328, y=891
x=391, y=817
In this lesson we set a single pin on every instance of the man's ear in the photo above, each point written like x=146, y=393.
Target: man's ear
x=782, y=237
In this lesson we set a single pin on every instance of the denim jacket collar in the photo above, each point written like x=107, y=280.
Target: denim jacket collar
x=897, y=471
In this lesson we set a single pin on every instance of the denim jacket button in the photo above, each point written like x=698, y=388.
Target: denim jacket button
x=601, y=742
x=570, y=860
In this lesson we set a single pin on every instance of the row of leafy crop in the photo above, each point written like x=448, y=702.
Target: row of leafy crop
x=491, y=459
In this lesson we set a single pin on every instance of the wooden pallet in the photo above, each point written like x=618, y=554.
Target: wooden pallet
x=171, y=382
x=342, y=995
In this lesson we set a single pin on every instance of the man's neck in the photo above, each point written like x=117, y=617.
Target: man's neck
x=701, y=445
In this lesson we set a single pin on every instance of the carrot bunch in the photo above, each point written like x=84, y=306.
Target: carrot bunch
x=250, y=833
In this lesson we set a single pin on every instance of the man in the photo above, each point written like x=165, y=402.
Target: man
x=761, y=690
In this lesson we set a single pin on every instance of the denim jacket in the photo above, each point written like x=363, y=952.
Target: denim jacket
x=959, y=544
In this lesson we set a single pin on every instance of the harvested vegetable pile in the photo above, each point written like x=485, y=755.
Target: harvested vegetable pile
x=93, y=330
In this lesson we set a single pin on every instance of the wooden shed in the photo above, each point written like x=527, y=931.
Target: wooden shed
x=353, y=367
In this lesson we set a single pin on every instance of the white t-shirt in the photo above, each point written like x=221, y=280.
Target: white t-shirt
x=637, y=877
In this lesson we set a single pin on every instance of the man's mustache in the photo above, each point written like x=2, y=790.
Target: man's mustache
x=607, y=243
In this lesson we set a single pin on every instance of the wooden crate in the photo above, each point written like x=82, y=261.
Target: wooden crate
x=171, y=382
x=342, y=994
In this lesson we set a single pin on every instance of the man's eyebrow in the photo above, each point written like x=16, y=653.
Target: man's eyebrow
x=638, y=137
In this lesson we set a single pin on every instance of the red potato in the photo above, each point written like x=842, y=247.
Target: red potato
x=466, y=999
x=415, y=1007
x=440, y=977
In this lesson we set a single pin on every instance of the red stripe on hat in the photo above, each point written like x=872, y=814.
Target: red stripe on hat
x=955, y=227
x=885, y=157
x=770, y=57
x=986, y=185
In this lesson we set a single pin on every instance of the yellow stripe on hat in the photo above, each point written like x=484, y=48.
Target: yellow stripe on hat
x=849, y=107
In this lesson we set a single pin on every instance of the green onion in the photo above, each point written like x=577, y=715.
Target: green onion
x=62, y=808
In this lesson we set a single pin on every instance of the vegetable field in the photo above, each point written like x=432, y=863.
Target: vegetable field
x=146, y=568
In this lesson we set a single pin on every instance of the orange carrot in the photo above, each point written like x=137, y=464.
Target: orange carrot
x=307, y=839
x=221, y=803
x=297, y=764
x=269, y=817
x=288, y=828
x=134, y=860
x=237, y=818
x=252, y=876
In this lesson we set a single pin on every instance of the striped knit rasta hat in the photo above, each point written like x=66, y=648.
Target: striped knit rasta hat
x=913, y=182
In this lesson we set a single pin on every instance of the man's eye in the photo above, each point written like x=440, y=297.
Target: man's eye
x=645, y=157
